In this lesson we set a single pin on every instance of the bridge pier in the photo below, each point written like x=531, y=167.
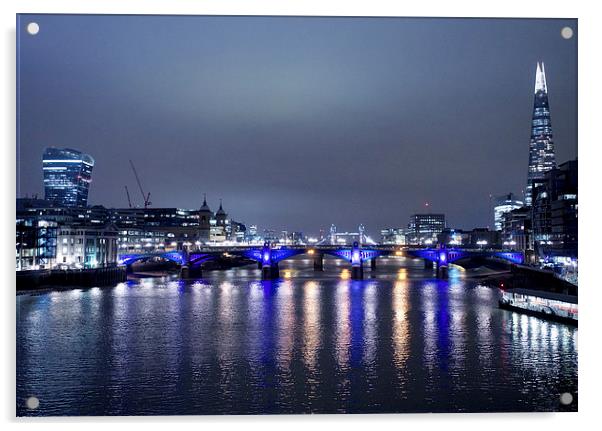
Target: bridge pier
x=269, y=268
x=373, y=264
x=357, y=272
x=428, y=264
x=270, y=272
x=442, y=272
x=184, y=271
x=129, y=269
x=319, y=262
x=187, y=271
x=195, y=271
x=259, y=265
x=357, y=265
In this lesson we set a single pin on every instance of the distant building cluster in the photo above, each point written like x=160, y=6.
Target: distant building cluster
x=335, y=237
x=62, y=231
x=543, y=225
x=175, y=228
x=393, y=236
x=422, y=230
x=89, y=237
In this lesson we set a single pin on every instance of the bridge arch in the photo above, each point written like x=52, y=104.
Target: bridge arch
x=172, y=256
x=196, y=260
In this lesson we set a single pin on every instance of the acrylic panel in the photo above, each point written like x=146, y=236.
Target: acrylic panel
x=276, y=215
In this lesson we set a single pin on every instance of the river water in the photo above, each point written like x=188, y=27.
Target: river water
x=398, y=341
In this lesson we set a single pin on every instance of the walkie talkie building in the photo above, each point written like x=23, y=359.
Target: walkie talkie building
x=67, y=176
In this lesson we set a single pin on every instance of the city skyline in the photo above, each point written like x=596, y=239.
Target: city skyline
x=294, y=168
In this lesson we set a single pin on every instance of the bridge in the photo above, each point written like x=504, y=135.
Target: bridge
x=443, y=257
x=268, y=257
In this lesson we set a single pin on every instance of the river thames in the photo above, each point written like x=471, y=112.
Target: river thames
x=312, y=342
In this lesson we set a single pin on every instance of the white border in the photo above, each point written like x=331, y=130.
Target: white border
x=589, y=196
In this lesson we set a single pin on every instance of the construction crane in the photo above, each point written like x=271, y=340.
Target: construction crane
x=145, y=197
x=128, y=195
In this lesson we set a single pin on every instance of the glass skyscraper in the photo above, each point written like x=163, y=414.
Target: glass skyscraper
x=424, y=228
x=67, y=176
x=502, y=205
x=541, y=147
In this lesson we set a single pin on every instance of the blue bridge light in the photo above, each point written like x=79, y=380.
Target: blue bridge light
x=452, y=255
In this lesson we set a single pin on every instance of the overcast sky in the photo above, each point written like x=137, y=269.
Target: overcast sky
x=295, y=122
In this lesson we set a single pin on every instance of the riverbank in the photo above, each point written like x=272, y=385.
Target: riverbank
x=527, y=277
x=50, y=279
x=535, y=292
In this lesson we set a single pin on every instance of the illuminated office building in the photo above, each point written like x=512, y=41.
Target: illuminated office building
x=504, y=204
x=35, y=242
x=517, y=231
x=555, y=208
x=393, y=236
x=424, y=228
x=67, y=177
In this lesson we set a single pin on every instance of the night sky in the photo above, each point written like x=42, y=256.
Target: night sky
x=295, y=122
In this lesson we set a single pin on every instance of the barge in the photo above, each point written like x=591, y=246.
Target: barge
x=550, y=305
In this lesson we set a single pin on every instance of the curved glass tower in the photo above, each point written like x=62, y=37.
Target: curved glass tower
x=67, y=176
x=541, y=148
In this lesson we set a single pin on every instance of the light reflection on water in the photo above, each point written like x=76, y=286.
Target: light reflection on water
x=430, y=328
x=370, y=328
x=311, y=324
x=397, y=341
x=401, y=334
x=285, y=315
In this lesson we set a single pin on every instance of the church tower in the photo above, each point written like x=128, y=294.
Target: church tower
x=205, y=216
